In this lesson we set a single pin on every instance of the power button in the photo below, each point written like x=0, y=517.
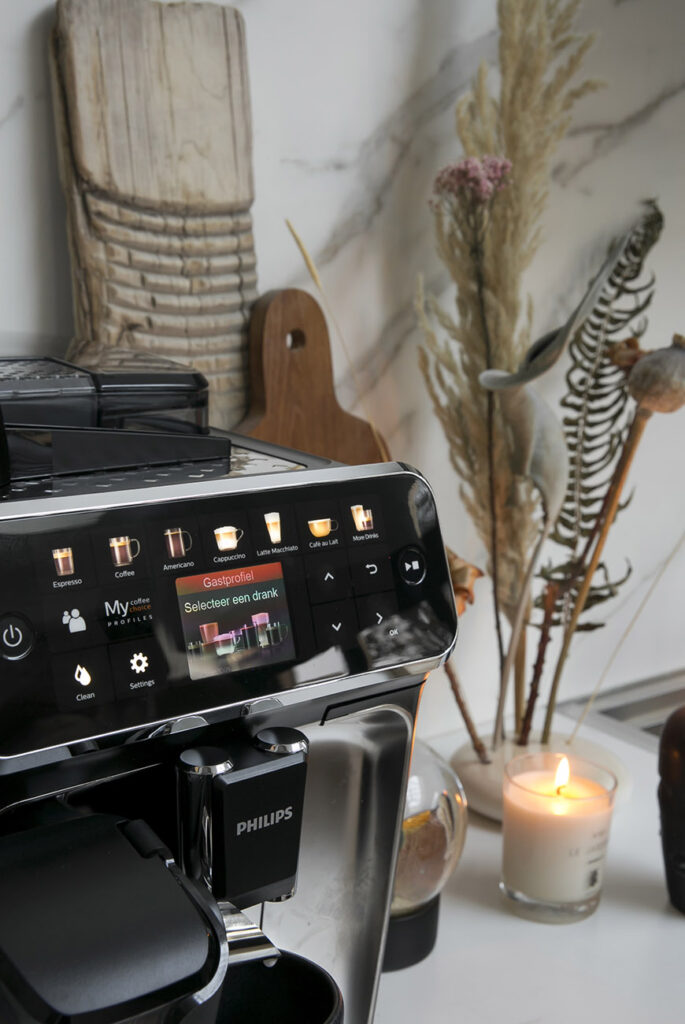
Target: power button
x=16, y=637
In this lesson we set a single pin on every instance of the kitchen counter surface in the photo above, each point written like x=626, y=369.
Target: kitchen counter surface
x=624, y=963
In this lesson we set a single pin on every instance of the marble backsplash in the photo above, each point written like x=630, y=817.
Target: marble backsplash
x=353, y=108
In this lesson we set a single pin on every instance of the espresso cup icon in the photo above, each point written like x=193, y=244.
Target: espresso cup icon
x=227, y=537
x=64, y=561
x=322, y=527
x=178, y=542
x=123, y=550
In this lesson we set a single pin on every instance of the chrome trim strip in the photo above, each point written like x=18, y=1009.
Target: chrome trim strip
x=47, y=506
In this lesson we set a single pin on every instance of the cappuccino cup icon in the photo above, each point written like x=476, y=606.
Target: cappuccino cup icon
x=178, y=542
x=227, y=537
x=322, y=527
x=64, y=561
x=123, y=550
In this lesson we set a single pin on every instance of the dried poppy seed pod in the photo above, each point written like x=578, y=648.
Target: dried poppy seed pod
x=657, y=381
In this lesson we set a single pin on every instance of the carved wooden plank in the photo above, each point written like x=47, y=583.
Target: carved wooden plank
x=155, y=144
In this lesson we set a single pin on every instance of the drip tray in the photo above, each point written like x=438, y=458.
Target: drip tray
x=636, y=712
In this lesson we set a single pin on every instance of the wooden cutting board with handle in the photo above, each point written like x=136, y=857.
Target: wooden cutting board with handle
x=292, y=395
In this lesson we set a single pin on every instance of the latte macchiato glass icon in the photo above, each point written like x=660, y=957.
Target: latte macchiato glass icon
x=178, y=542
x=260, y=621
x=322, y=527
x=273, y=525
x=123, y=550
x=64, y=561
x=227, y=537
x=363, y=518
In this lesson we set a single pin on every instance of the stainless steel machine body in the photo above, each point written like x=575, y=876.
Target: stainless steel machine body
x=146, y=614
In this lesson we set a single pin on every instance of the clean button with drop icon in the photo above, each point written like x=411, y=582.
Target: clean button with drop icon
x=82, y=679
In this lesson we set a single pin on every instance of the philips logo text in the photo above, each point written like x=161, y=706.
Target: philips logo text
x=263, y=821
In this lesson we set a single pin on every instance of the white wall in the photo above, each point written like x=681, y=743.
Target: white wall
x=353, y=110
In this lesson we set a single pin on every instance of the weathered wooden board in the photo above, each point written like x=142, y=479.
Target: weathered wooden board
x=155, y=143
x=292, y=396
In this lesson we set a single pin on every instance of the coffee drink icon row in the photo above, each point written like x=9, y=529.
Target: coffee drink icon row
x=178, y=542
x=124, y=550
x=228, y=537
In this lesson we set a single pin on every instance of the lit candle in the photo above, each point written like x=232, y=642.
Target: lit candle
x=556, y=819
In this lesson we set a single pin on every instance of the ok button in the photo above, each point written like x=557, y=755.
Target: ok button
x=16, y=637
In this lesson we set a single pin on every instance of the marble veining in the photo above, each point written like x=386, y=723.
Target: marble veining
x=14, y=107
x=608, y=136
x=376, y=170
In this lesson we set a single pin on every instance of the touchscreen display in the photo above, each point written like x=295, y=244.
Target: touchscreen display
x=235, y=619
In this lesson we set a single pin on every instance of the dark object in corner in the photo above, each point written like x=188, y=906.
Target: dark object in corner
x=672, y=805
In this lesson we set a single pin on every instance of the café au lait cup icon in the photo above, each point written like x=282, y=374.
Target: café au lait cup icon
x=123, y=550
x=273, y=525
x=64, y=561
x=227, y=537
x=363, y=518
x=178, y=542
x=322, y=527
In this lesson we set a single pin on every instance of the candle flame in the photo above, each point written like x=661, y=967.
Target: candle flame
x=563, y=774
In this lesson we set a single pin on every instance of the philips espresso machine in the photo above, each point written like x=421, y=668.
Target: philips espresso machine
x=210, y=668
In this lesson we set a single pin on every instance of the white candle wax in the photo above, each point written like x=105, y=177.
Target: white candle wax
x=554, y=837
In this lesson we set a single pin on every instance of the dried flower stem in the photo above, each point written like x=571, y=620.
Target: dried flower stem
x=477, y=742
x=611, y=505
x=520, y=676
x=477, y=253
x=550, y=601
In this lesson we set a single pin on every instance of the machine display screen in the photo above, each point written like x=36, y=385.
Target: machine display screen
x=235, y=619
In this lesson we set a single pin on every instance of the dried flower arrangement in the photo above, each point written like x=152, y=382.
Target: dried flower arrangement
x=525, y=476
x=487, y=214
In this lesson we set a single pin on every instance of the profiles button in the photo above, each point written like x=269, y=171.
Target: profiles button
x=16, y=637
x=412, y=566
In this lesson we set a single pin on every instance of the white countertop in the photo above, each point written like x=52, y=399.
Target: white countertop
x=625, y=963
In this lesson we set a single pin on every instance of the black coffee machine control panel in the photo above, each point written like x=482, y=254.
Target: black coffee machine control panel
x=115, y=618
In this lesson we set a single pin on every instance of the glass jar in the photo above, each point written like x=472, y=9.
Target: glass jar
x=433, y=833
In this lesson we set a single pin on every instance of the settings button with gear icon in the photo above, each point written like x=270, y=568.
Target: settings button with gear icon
x=138, y=668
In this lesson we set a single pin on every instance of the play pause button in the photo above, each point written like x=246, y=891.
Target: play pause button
x=412, y=566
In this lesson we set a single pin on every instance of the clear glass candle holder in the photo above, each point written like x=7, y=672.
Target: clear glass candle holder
x=555, y=830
